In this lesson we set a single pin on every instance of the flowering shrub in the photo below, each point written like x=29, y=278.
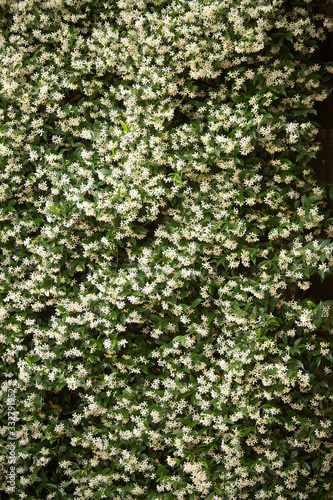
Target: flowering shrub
x=160, y=227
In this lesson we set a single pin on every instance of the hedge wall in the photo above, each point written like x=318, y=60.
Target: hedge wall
x=160, y=228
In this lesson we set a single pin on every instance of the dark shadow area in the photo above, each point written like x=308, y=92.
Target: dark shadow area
x=319, y=290
x=323, y=164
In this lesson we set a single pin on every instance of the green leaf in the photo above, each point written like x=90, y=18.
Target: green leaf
x=28, y=361
x=179, y=338
x=54, y=209
x=195, y=303
x=124, y=127
x=176, y=177
x=45, y=437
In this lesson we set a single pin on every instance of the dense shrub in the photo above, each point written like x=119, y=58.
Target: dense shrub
x=160, y=228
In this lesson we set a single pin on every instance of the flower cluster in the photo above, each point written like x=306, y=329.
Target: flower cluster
x=161, y=227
